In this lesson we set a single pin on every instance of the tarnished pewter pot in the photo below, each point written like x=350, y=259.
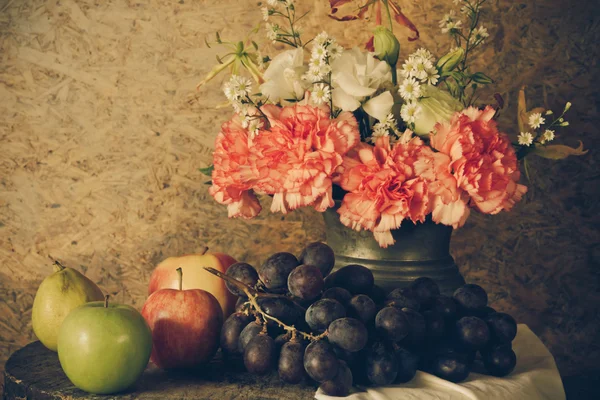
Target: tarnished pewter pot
x=420, y=250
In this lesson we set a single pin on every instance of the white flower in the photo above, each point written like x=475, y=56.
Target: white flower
x=567, y=106
x=272, y=2
x=313, y=75
x=536, y=120
x=356, y=75
x=265, y=13
x=423, y=53
x=422, y=65
x=319, y=51
x=283, y=78
x=452, y=25
x=322, y=38
x=480, y=34
x=432, y=75
x=379, y=130
x=410, y=111
x=547, y=136
x=320, y=94
x=410, y=89
x=254, y=126
x=272, y=31
x=437, y=105
x=409, y=67
x=237, y=88
x=335, y=50
x=525, y=138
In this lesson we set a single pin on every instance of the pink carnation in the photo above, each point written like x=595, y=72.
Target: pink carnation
x=295, y=159
x=384, y=187
x=231, y=178
x=483, y=164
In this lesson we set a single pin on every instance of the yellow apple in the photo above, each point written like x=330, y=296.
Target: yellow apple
x=196, y=277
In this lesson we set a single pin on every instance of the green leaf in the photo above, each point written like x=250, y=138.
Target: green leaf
x=559, y=151
x=481, y=78
x=208, y=170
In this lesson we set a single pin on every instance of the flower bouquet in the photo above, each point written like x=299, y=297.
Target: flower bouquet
x=398, y=140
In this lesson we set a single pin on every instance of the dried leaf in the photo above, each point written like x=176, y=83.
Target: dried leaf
x=403, y=20
x=522, y=110
x=559, y=151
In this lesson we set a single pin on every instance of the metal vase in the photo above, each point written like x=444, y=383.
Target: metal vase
x=420, y=250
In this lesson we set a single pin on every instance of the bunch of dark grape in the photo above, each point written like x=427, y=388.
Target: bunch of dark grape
x=297, y=318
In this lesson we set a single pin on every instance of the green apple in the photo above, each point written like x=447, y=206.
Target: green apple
x=104, y=348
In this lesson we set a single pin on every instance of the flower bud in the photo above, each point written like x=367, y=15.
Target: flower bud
x=387, y=47
x=448, y=62
x=437, y=105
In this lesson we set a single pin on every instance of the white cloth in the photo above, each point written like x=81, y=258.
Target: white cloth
x=535, y=377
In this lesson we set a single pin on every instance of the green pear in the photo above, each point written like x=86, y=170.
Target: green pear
x=58, y=294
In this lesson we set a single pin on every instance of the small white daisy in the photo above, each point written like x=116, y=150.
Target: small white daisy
x=536, y=120
x=409, y=67
x=242, y=86
x=547, y=136
x=319, y=51
x=313, y=75
x=480, y=34
x=423, y=53
x=379, y=130
x=452, y=26
x=410, y=89
x=322, y=38
x=272, y=31
x=525, y=138
x=320, y=94
x=316, y=62
x=265, y=13
x=410, y=111
x=254, y=126
x=422, y=65
x=432, y=75
x=335, y=50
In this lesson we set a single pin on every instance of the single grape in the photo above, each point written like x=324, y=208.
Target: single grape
x=244, y=273
x=320, y=361
x=291, y=362
x=275, y=270
x=230, y=332
x=472, y=333
x=408, y=363
x=451, y=367
x=362, y=307
x=320, y=255
x=345, y=355
x=403, y=298
x=259, y=355
x=418, y=327
x=239, y=304
x=471, y=297
x=377, y=294
x=446, y=306
x=500, y=360
x=425, y=290
x=305, y=282
x=392, y=324
x=249, y=332
x=281, y=308
x=503, y=327
x=381, y=364
x=435, y=325
x=341, y=384
x=337, y=293
x=322, y=313
x=348, y=333
x=357, y=279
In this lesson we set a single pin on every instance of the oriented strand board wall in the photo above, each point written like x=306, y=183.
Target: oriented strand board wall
x=100, y=153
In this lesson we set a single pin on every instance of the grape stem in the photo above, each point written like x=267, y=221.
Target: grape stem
x=253, y=295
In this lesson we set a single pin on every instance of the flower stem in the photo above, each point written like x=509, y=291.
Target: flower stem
x=180, y=277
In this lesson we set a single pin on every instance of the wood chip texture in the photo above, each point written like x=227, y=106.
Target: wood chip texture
x=100, y=150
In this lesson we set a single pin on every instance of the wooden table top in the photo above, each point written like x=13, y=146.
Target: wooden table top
x=34, y=373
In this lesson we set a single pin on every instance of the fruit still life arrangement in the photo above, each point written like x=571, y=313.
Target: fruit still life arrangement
x=294, y=316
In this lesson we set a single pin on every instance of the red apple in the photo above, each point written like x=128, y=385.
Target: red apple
x=196, y=277
x=185, y=325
